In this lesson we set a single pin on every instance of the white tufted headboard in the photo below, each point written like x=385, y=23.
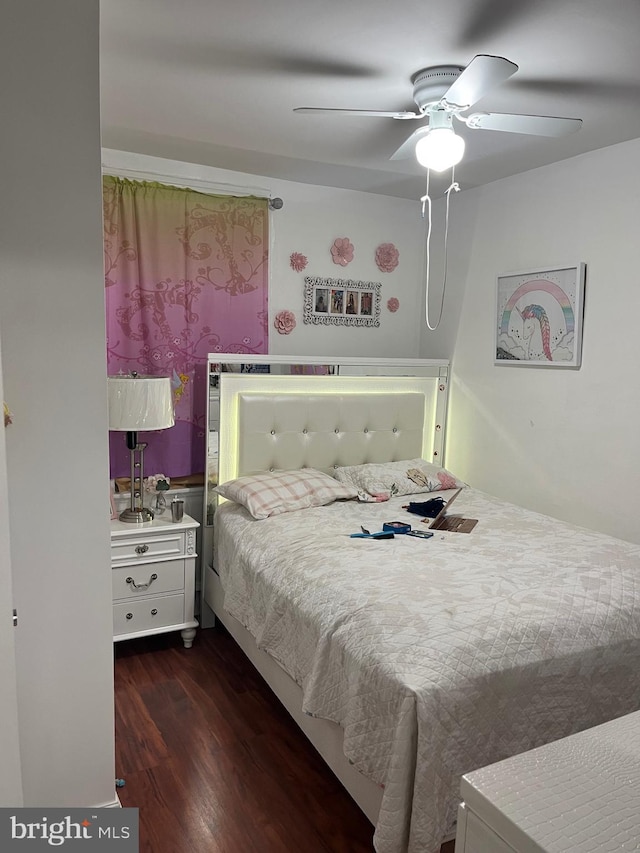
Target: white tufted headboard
x=325, y=431
x=285, y=422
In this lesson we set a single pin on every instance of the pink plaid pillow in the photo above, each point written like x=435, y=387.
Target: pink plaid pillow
x=273, y=492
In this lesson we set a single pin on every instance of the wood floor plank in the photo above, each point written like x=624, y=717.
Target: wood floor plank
x=140, y=744
x=170, y=819
x=214, y=762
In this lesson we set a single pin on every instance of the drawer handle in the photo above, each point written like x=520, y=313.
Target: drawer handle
x=142, y=549
x=129, y=615
x=154, y=612
x=154, y=577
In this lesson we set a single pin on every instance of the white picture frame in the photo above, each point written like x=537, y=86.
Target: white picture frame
x=539, y=317
x=341, y=302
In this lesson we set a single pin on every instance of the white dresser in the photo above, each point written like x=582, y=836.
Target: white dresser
x=580, y=794
x=153, y=578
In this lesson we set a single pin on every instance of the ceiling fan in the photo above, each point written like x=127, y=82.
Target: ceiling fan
x=445, y=92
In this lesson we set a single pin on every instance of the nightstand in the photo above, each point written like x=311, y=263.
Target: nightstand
x=153, y=578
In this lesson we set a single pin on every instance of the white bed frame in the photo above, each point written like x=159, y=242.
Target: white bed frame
x=367, y=410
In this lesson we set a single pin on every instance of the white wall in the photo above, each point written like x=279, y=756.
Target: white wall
x=563, y=442
x=53, y=353
x=311, y=218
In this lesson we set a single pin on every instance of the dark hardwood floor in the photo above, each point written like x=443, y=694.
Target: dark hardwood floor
x=213, y=761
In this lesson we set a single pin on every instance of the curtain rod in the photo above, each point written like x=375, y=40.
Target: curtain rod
x=195, y=183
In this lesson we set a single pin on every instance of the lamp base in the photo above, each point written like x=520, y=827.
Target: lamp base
x=136, y=516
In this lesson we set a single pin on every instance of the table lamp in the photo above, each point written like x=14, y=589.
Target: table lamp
x=139, y=403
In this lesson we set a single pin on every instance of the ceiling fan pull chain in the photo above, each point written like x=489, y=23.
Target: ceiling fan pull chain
x=426, y=201
x=425, y=198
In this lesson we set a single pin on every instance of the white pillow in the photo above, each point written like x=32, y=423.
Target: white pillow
x=382, y=480
x=273, y=492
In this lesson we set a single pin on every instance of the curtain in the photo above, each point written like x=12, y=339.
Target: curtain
x=186, y=274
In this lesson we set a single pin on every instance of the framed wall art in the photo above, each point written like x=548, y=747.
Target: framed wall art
x=539, y=317
x=333, y=301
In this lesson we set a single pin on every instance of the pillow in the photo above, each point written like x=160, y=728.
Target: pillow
x=382, y=480
x=273, y=492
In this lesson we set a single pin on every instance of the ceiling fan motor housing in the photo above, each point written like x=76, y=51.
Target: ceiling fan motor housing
x=430, y=84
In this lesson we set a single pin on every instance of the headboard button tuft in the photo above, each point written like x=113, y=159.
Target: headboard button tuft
x=395, y=429
x=366, y=429
x=336, y=430
x=273, y=432
x=305, y=431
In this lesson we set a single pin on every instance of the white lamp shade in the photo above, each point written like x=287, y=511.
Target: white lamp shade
x=140, y=403
x=440, y=149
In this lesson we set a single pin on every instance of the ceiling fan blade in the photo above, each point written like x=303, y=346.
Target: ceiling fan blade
x=573, y=87
x=485, y=20
x=408, y=147
x=481, y=75
x=534, y=125
x=401, y=114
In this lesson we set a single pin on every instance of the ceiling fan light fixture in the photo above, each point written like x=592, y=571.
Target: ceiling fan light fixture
x=440, y=149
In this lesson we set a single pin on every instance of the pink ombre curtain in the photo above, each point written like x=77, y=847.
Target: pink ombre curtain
x=186, y=274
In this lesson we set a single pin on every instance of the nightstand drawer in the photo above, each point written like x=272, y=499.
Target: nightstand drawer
x=145, y=548
x=147, y=579
x=148, y=614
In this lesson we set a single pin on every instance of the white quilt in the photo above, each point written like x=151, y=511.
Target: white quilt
x=438, y=656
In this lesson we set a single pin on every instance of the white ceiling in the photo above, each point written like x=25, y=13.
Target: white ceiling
x=216, y=82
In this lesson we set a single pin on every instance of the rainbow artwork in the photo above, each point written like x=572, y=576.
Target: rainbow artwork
x=539, y=284
x=539, y=317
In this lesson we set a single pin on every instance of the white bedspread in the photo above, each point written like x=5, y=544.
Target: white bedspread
x=438, y=656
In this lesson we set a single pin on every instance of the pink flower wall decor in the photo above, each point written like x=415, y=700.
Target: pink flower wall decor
x=387, y=257
x=284, y=322
x=342, y=251
x=298, y=261
x=393, y=304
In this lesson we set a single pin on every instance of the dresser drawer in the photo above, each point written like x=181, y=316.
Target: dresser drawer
x=147, y=614
x=480, y=838
x=145, y=548
x=147, y=579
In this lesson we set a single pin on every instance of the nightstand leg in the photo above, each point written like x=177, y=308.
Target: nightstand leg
x=187, y=635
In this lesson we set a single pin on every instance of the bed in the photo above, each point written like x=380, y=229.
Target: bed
x=410, y=662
